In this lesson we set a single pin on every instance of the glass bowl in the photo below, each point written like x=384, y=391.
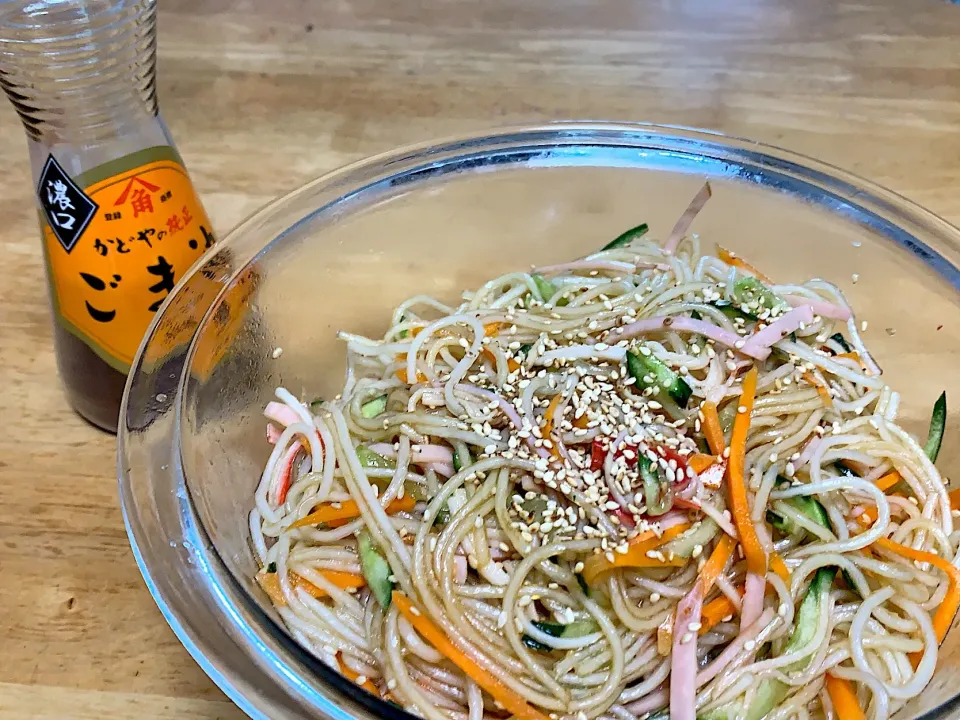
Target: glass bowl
x=263, y=307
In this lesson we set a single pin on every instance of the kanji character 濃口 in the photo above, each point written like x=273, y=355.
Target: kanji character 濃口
x=100, y=247
x=144, y=236
x=141, y=202
x=187, y=217
x=163, y=270
x=174, y=225
x=63, y=220
x=59, y=195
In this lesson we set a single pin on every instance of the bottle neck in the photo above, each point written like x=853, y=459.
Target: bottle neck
x=80, y=73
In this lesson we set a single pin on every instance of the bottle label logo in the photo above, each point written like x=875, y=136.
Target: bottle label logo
x=67, y=209
x=113, y=273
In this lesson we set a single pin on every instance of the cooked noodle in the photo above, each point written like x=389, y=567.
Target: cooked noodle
x=494, y=450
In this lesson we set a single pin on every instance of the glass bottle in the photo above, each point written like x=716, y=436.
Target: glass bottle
x=120, y=221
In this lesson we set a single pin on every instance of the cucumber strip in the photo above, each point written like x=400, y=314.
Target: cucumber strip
x=533, y=644
x=813, y=509
x=684, y=545
x=657, y=492
x=316, y=403
x=459, y=463
x=732, y=311
x=808, y=615
x=781, y=523
x=576, y=629
x=272, y=567
x=727, y=415
x=374, y=407
x=627, y=237
x=807, y=505
x=695, y=315
x=845, y=469
x=649, y=370
x=582, y=582
x=752, y=296
x=840, y=340
x=547, y=290
x=376, y=570
x=938, y=422
x=369, y=459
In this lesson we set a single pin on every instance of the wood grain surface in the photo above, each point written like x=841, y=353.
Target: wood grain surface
x=262, y=96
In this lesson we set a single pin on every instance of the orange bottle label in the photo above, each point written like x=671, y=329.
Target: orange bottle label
x=117, y=247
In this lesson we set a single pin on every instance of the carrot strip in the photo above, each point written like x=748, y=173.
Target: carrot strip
x=850, y=356
x=869, y=516
x=888, y=480
x=954, y=496
x=780, y=568
x=822, y=390
x=636, y=555
x=700, y=462
x=943, y=616
x=714, y=612
x=270, y=583
x=752, y=549
x=510, y=700
x=402, y=375
x=401, y=372
x=348, y=510
x=492, y=328
x=711, y=428
x=716, y=563
x=512, y=365
x=733, y=260
x=352, y=676
x=548, y=415
x=343, y=580
x=844, y=698
x=581, y=422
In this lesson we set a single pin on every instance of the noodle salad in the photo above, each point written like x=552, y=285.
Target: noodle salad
x=648, y=483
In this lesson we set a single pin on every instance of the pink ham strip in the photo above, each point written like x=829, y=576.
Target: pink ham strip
x=752, y=600
x=683, y=659
x=820, y=307
x=686, y=220
x=273, y=433
x=733, y=649
x=419, y=454
x=681, y=324
x=280, y=414
x=808, y=451
x=758, y=345
x=654, y=701
x=444, y=469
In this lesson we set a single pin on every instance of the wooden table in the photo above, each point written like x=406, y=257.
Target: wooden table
x=264, y=96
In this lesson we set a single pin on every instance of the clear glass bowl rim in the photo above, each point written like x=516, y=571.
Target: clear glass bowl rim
x=278, y=662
